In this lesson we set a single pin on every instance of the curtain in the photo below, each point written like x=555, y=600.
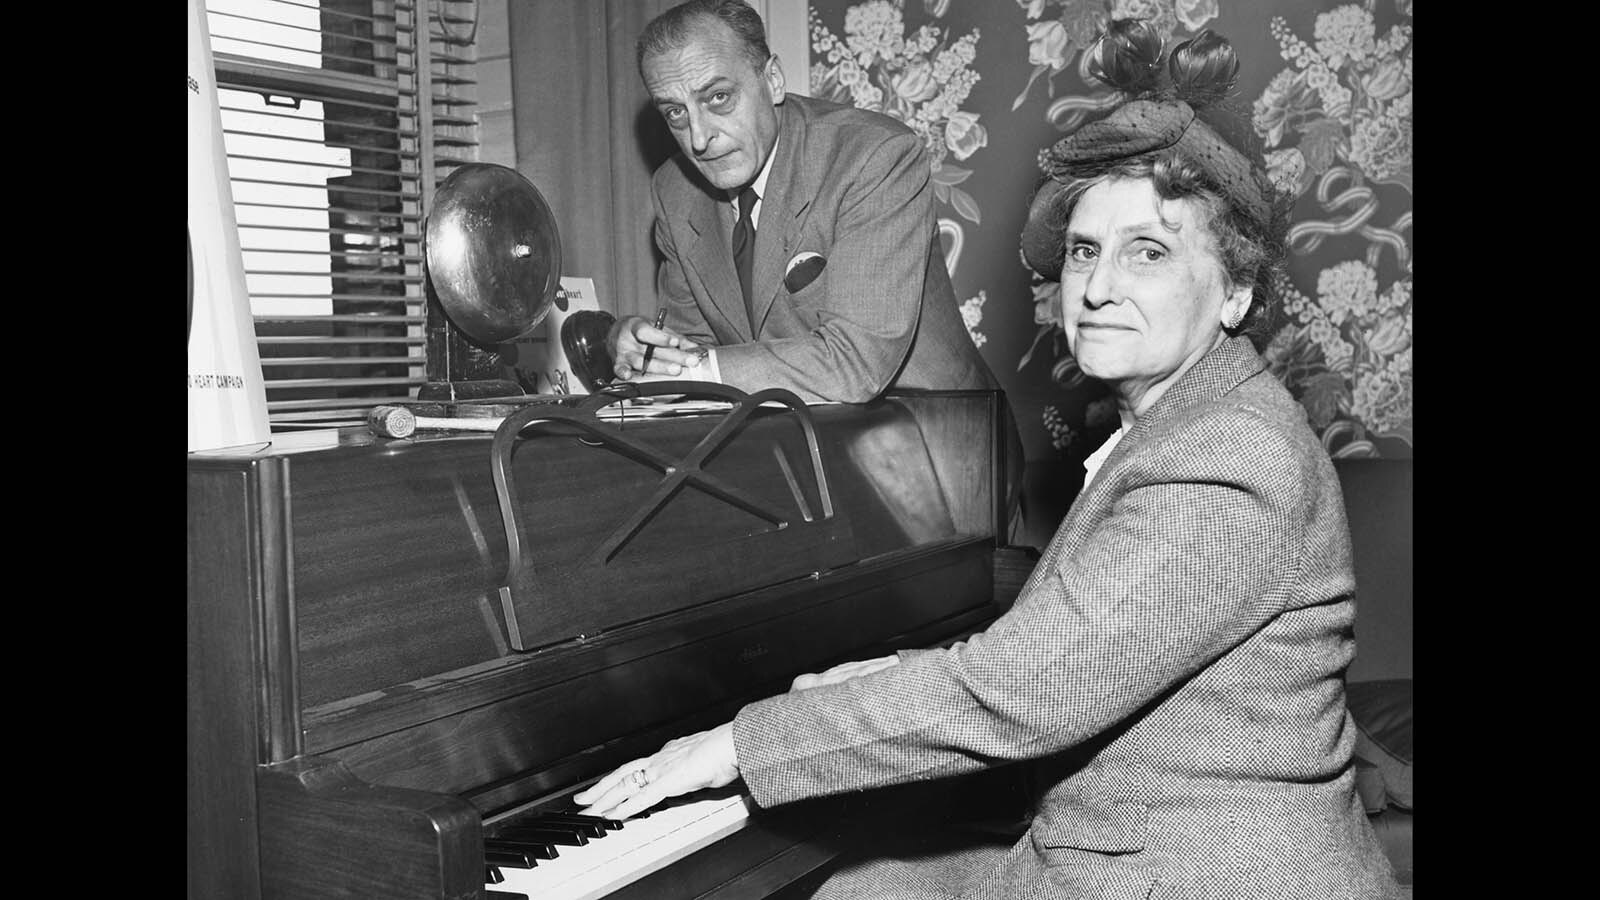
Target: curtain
x=587, y=137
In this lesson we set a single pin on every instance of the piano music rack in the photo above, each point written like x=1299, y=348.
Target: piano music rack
x=677, y=473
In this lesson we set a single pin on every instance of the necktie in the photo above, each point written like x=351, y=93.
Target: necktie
x=744, y=249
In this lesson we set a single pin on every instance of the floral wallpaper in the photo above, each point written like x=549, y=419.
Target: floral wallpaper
x=1326, y=86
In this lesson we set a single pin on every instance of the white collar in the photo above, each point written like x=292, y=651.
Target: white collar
x=760, y=186
x=1098, y=458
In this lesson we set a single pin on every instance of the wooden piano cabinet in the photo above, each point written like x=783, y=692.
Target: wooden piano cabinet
x=224, y=567
x=326, y=834
x=1012, y=567
x=357, y=717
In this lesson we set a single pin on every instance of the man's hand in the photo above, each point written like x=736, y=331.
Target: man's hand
x=682, y=765
x=632, y=336
x=843, y=672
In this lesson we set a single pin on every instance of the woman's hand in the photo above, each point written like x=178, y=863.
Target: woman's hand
x=843, y=672
x=682, y=765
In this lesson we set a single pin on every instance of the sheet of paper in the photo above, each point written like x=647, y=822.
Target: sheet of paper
x=655, y=407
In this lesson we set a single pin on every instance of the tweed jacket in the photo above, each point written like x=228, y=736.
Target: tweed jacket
x=1173, y=671
x=853, y=186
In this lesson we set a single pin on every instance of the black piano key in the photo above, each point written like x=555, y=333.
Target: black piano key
x=587, y=829
x=581, y=819
x=534, y=849
x=552, y=834
x=503, y=895
x=516, y=859
x=492, y=875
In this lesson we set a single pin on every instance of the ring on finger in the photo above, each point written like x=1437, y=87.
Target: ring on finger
x=639, y=777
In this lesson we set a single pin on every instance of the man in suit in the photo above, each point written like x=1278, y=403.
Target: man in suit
x=841, y=292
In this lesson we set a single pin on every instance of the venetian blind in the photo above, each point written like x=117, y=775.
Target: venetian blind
x=339, y=118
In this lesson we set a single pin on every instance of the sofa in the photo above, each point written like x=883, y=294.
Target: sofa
x=1378, y=502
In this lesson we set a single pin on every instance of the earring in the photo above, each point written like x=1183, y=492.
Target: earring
x=1232, y=321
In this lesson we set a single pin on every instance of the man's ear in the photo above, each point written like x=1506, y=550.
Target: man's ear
x=775, y=81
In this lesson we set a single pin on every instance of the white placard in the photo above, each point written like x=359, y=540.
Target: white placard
x=227, y=395
x=541, y=358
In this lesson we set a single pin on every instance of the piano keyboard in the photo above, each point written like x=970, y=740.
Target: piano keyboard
x=605, y=863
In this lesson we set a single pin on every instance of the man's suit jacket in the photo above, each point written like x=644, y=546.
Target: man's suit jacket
x=853, y=186
x=1173, y=671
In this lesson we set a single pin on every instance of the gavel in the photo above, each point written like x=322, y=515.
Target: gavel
x=400, y=422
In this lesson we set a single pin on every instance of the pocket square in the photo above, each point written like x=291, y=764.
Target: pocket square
x=802, y=270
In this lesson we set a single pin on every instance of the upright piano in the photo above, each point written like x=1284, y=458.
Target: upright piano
x=405, y=654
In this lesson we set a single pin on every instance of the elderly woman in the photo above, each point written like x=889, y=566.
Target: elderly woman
x=1173, y=670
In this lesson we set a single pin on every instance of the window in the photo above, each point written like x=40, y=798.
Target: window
x=339, y=118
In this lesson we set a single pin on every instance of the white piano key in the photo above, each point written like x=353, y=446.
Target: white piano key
x=641, y=847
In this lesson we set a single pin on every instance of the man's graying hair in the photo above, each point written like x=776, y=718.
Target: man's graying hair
x=677, y=26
